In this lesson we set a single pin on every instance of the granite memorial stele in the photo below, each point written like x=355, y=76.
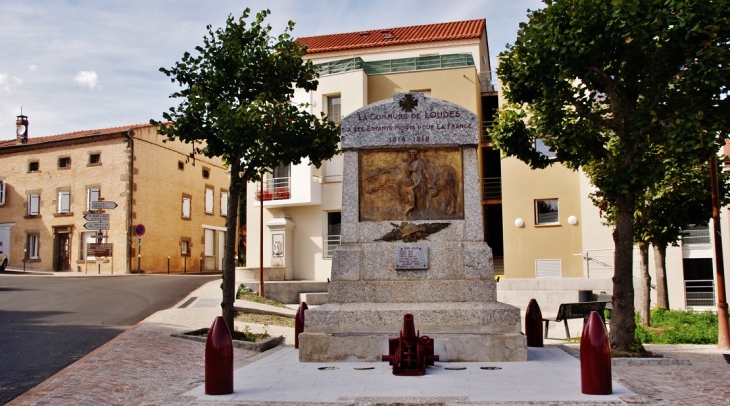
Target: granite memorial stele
x=412, y=241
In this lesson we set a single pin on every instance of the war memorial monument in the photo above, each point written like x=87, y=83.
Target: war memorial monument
x=412, y=241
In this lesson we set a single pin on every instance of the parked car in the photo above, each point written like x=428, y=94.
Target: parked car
x=3, y=261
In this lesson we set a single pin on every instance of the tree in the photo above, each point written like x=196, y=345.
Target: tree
x=665, y=209
x=236, y=105
x=604, y=82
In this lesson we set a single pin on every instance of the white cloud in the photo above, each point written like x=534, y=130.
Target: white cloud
x=4, y=81
x=87, y=78
x=17, y=80
x=32, y=68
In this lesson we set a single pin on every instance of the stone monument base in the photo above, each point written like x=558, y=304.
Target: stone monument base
x=462, y=331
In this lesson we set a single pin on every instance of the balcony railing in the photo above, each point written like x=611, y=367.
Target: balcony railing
x=696, y=235
x=330, y=243
x=275, y=189
x=396, y=65
x=492, y=188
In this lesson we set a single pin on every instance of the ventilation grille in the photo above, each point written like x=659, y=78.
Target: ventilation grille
x=548, y=268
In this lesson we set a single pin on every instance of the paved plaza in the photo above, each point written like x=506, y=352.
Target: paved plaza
x=146, y=365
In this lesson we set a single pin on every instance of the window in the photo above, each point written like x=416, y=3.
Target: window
x=2, y=192
x=33, y=246
x=544, y=149
x=185, y=247
x=546, y=211
x=64, y=162
x=206, y=173
x=548, y=268
x=34, y=204
x=186, y=207
x=334, y=110
x=332, y=238
x=224, y=203
x=94, y=159
x=64, y=202
x=33, y=166
x=208, y=201
x=92, y=195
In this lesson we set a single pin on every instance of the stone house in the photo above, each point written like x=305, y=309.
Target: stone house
x=160, y=204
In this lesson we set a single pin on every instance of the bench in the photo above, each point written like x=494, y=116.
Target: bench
x=574, y=311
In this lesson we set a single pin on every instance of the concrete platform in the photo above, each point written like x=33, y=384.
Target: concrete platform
x=549, y=375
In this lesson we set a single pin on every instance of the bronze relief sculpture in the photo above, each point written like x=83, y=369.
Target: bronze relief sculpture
x=414, y=184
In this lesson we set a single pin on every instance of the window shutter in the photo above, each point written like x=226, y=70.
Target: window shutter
x=186, y=208
x=224, y=203
x=34, y=202
x=92, y=195
x=209, y=200
x=548, y=268
x=64, y=202
x=2, y=192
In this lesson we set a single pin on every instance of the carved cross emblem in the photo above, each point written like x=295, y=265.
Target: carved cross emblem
x=408, y=103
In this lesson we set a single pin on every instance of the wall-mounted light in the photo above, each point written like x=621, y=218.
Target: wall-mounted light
x=572, y=220
x=519, y=223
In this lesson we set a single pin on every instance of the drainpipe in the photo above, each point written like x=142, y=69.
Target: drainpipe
x=130, y=137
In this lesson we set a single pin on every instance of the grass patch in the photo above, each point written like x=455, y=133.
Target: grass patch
x=244, y=294
x=266, y=319
x=678, y=327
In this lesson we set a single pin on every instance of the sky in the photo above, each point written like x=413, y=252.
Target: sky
x=88, y=64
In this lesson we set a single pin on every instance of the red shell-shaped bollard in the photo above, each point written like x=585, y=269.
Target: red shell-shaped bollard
x=595, y=358
x=299, y=323
x=218, y=359
x=533, y=324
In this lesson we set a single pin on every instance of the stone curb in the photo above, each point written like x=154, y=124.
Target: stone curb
x=632, y=362
x=259, y=346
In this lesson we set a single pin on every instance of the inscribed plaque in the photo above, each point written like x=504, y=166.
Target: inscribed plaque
x=411, y=257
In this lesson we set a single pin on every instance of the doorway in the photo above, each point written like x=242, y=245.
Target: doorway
x=63, y=257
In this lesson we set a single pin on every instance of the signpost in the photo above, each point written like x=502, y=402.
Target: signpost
x=97, y=226
x=97, y=217
x=103, y=205
x=139, y=231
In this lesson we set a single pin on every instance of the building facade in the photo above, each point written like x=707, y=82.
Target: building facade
x=541, y=225
x=116, y=200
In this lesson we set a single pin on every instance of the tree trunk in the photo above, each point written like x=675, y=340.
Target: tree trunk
x=646, y=284
x=229, y=266
x=623, y=324
x=660, y=262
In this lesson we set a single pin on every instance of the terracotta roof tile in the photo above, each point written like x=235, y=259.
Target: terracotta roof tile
x=472, y=29
x=77, y=134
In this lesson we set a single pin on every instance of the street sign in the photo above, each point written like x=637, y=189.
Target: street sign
x=97, y=226
x=97, y=217
x=139, y=229
x=99, y=250
x=103, y=205
x=139, y=240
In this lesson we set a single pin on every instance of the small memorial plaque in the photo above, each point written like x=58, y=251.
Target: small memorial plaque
x=411, y=257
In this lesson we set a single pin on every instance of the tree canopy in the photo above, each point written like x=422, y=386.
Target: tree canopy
x=604, y=83
x=236, y=104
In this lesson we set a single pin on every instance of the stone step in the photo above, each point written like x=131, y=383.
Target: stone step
x=314, y=298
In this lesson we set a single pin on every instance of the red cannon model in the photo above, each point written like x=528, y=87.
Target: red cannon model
x=409, y=354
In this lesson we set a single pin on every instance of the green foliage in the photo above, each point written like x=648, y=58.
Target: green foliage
x=678, y=327
x=620, y=89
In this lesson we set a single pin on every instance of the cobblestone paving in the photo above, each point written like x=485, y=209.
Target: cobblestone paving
x=146, y=366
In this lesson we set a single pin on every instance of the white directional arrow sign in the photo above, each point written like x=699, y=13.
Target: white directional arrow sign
x=97, y=217
x=96, y=226
x=103, y=205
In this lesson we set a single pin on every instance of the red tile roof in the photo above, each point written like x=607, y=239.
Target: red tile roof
x=472, y=29
x=78, y=134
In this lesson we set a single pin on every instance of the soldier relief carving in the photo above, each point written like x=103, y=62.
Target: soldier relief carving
x=412, y=184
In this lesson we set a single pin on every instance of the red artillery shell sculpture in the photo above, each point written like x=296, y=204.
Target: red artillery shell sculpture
x=409, y=354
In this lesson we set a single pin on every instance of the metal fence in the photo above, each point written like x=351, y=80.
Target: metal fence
x=492, y=187
x=696, y=235
x=699, y=293
x=396, y=65
x=275, y=189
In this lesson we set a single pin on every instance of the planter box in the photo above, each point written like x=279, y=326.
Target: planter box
x=258, y=346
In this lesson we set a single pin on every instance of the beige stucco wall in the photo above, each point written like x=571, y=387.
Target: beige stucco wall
x=523, y=245
x=159, y=189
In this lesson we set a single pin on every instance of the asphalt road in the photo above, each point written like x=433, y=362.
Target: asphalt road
x=48, y=322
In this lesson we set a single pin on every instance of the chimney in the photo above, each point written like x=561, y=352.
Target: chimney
x=21, y=125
